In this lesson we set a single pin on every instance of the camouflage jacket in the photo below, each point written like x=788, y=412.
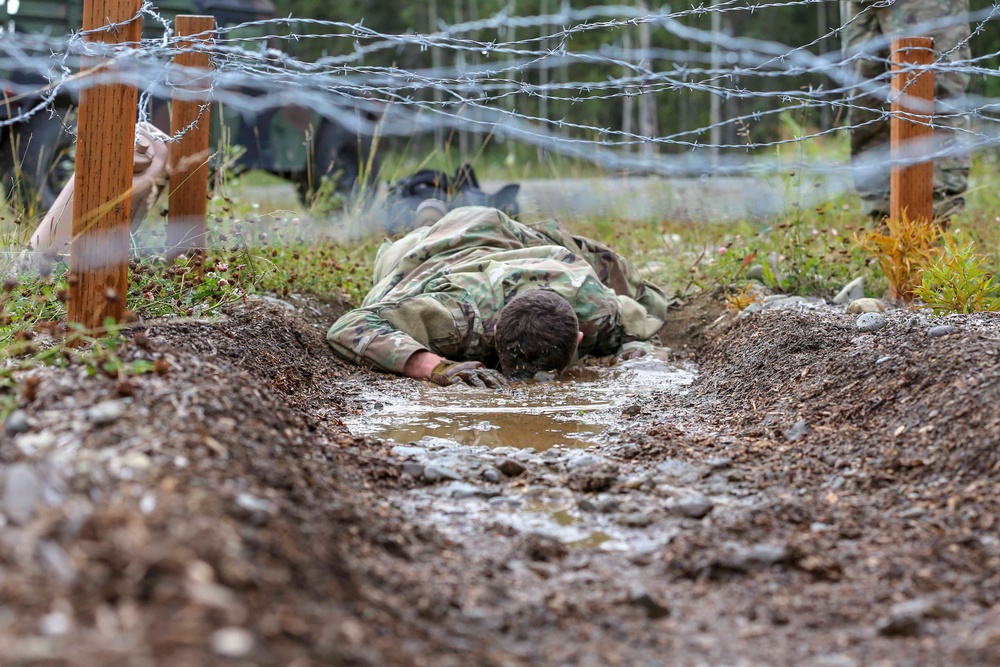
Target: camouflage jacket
x=440, y=288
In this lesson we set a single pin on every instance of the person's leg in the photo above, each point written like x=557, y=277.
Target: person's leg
x=951, y=173
x=869, y=128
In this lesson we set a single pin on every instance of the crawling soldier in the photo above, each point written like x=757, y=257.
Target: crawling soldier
x=476, y=290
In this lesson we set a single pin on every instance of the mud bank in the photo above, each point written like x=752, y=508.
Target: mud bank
x=815, y=496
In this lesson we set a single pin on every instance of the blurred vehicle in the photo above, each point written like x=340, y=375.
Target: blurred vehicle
x=293, y=142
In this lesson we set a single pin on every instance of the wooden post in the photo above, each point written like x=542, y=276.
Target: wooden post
x=912, y=186
x=186, y=229
x=102, y=202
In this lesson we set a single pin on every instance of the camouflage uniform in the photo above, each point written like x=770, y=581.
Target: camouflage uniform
x=440, y=288
x=871, y=132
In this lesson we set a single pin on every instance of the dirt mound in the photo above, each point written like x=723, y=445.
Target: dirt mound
x=818, y=497
x=206, y=515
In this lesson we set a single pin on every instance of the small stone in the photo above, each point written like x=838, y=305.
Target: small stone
x=859, y=306
x=543, y=548
x=413, y=469
x=632, y=410
x=694, y=507
x=941, y=330
x=868, y=322
x=105, y=413
x=56, y=623
x=748, y=559
x=635, y=519
x=22, y=491
x=30, y=443
x=912, y=513
x=633, y=483
x=756, y=272
x=232, y=642
x=641, y=598
x=137, y=461
x=608, y=506
x=16, y=422
x=584, y=461
x=434, y=474
x=906, y=619
x=460, y=490
x=252, y=503
x=586, y=505
x=406, y=452
x=798, y=430
x=510, y=467
x=57, y=562
x=679, y=470
x=719, y=462
x=852, y=291
x=492, y=475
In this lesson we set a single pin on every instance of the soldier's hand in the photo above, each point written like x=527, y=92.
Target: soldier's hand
x=470, y=372
x=633, y=350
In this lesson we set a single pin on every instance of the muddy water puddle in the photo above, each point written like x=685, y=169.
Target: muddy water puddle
x=576, y=411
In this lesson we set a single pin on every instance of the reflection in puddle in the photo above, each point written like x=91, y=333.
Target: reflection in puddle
x=569, y=412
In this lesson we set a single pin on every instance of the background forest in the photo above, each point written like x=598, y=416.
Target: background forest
x=671, y=111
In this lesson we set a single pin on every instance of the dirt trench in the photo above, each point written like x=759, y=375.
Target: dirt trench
x=818, y=497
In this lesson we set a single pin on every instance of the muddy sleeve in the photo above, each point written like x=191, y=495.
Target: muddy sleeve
x=385, y=335
x=623, y=277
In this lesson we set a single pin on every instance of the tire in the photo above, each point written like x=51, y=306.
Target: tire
x=44, y=153
x=340, y=156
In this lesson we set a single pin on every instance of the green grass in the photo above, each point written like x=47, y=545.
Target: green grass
x=273, y=247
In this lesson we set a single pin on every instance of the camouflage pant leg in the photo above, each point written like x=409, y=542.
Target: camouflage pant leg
x=870, y=138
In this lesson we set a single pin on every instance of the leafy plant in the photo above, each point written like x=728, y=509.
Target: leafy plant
x=958, y=281
x=743, y=299
x=903, y=249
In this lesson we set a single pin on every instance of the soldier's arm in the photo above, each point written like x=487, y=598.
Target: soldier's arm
x=386, y=335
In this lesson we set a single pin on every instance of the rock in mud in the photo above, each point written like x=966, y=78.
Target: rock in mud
x=232, y=642
x=510, y=467
x=543, y=548
x=635, y=520
x=492, y=475
x=798, y=429
x=869, y=322
x=694, y=507
x=740, y=558
x=852, y=291
x=413, y=469
x=941, y=330
x=16, y=422
x=584, y=461
x=31, y=443
x=106, y=413
x=22, y=492
x=641, y=598
x=434, y=474
x=907, y=619
x=679, y=472
x=859, y=306
x=593, y=479
x=406, y=451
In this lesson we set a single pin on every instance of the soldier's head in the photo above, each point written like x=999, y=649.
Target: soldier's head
x=536, y=331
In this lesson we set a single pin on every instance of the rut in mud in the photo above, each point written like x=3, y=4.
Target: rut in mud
x=815, y=496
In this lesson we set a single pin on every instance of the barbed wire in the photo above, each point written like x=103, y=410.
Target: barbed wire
x=251, y=76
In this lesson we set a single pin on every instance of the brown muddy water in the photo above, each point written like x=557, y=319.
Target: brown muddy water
x=587, y=406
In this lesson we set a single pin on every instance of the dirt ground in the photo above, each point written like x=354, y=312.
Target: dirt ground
x=825, y=498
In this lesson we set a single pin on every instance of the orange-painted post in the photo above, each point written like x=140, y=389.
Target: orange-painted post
x=186, y=229
x=912, y=186
x=102, y=202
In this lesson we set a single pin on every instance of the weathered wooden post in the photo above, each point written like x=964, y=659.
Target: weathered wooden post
x=912, y=186
x=190, y=118
x=102, y=203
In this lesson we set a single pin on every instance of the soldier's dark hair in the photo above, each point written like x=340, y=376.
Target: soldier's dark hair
x=536, y=331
